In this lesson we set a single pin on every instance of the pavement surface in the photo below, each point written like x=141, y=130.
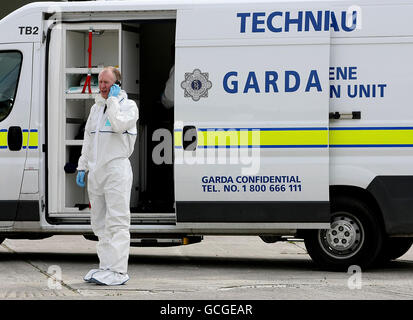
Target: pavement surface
x=218, y=268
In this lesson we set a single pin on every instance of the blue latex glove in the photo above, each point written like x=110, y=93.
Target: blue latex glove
x=80, y=178
x=114, y=91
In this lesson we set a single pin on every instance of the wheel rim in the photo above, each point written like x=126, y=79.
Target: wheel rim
x=345, y=238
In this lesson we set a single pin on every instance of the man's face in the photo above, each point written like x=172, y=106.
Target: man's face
x=106, y=80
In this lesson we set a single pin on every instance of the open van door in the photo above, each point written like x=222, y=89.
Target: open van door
x=15, y=104
x=251, y=117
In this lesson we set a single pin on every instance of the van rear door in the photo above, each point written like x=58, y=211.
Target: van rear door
x=15, y=104
x=251, y=117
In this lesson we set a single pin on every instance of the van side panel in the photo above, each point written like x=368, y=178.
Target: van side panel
x=259, y=103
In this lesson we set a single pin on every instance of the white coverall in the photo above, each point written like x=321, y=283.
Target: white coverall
x=167, y=97
x=108, y=143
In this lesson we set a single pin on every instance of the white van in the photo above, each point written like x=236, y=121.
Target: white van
x=290, y=119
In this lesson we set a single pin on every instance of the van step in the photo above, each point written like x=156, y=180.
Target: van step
x=136, y=218
x=164, y=242
x=157, y=242
x=153, y=218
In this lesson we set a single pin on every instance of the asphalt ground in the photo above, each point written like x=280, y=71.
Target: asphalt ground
x=219, y=268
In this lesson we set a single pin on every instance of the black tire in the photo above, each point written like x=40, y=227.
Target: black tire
x=355, y=238
x=394, y=248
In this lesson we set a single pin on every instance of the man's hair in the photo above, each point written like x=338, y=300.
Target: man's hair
x=114, y=71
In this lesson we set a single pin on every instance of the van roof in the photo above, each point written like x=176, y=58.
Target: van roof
x=132, y=5
x=32, y=14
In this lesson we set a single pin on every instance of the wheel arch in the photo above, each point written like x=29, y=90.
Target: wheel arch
x=362, y=195
x=354, y=203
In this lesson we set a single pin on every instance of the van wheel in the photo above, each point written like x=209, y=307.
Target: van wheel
x=394, y=248
x=355, y=237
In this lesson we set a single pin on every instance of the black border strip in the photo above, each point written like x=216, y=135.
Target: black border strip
x=45, y=208
x=19, y=210
x=253, y=211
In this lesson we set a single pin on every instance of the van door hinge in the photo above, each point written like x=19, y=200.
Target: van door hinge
x=43, y=205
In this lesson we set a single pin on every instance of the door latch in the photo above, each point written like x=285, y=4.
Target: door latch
x=15, y=138
x=345, y=116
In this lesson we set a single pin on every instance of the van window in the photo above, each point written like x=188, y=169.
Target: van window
x=10, y=65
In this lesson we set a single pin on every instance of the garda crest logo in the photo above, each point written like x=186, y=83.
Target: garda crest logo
x=196, y=84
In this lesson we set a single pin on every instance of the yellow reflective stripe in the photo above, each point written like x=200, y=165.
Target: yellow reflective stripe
x=25, y=138
x=263, y=138
x=317, y=137
x=303, y=137
x=178, y=138
x=3, y=139
x=33, y=139
x=29, y=139
x=373, y=137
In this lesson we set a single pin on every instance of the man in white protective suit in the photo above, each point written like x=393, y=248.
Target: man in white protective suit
x=109, y=139
x=167, y=97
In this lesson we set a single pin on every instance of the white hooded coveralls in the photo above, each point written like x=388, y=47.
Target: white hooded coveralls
x=108, y=143
x=167, y=97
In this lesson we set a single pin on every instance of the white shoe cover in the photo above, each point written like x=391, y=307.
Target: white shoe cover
x=109, y=278
x=89, y=275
